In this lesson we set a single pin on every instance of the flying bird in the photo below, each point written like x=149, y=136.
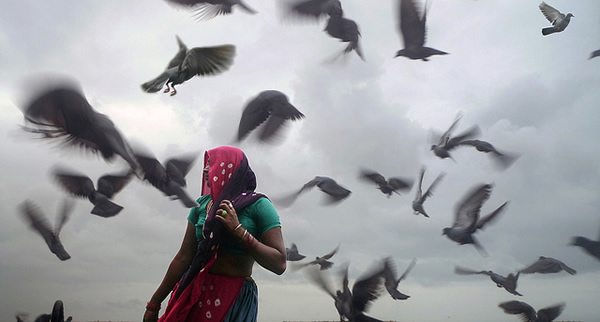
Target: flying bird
x=208, y=9
x=387, y=186
x=509, y=283
x=547, y=265
x=34, y=216
x=448, y=143
x=591, y=247
x=595, y=53
x=63, y=111
x=412, y=28
x=83, y=187
x=391, y=281
x=198, y=61
x=345, y=30
x=292, y=253
x=559, y=20
x=420, y=197
x=315, y=8
x=527, y=312
x=467, y=218
x=335, y=193
x=502, y=159
x=270, y=107
x=323, y=261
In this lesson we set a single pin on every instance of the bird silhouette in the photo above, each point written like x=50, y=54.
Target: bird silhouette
x=502, y=159
x=323, y=261
x=33, y=215
x=315, y=9
x=559, y=20
x=387, y=186
x=527, y=312
x=391, y=281
x=292, y=253
x=412, y=28
x=591, y=247
x=420, y=197
x=198, y=61
x=270, y=107
x=509, y=283
x=547, y=265
x=57, y=315
x=335, y=193
x=345, y=30
x=208, y=9
x=595, y=53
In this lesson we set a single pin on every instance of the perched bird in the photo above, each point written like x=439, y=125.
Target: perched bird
x=509, y=282
x=270, y=106
x=412, y=28
x=34, y=216
x=198, y=61
x=547, y=265
x=559, y=20
x=345, y=30
x=502, y=159
x=387, y=186
x=63, y=111
x=527, y=312
x=170, y=178
x=417, y=204
x=208, y=9
x=83, y=187
x=335, y=193
x=467, y=219
x=315, y=8
x=391, y=281
x=322, y=261
x=292, y=254
x=591, y=247
x=595, y=53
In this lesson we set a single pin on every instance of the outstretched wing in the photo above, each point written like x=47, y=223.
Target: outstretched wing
x=489, y=218
x=203, y=61
x=78, y=185
x=467, y=211
x=551, y=13
x=412, y=27
x=373, y=176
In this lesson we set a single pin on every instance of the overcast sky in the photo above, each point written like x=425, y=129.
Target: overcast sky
x=533, y=96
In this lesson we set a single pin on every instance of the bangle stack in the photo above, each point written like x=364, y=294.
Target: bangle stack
x=152, y=307
x=248, y=241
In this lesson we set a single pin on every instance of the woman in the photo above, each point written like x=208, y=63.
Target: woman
x=213, y=266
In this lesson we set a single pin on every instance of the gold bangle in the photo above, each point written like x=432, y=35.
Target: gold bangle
x=236, y=227
x=244, y=235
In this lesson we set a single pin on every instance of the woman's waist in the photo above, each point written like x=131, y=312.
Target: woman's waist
x=232, y=264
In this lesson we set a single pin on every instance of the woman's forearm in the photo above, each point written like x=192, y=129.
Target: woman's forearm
x=176, y=269
x=270, y=253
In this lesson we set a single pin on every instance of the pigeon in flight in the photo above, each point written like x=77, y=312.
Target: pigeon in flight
x=502, y=159
x=547, y=265
x=63, y=111
x=208, y=9
x=467, y=219
x=389, y=186
x=315, y=8
x=345, y=30
x=270, y=107
x=559, y=20
x=413, y=31
x=509, y=283
x=447, y=143
x=391, y=281
x=34, y=216
x=595, y=53
x=527, y=312
x=198, y=61
x=335, y=193
x=322, y=261
x=591, y=247
x=420, y=198
x=292, y=253
x=83, y=187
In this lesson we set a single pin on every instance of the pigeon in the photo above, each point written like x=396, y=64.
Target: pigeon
x=595, y=53
x=271, y=106
x=417, y=204
x=63, y=111
x=170, y=178
x=527, y=312
x=547, y=265
x=34, y=216
x=412, y=28
x=467, y=219
x=315, y=8
x=335, y=192
x=502, y=159
x=389, y=186
x=591, y=247
x=322, y=261
x=198, y=61
x=83, y=187
x=292, y=254
x=345, y=30
x=509, y=283
x=208, y=9
x=559, y=20
x=391, y=281
x=447, y=143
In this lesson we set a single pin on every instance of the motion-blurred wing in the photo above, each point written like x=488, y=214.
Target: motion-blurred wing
x=550, y=313
x=467, y=211
x=367, y=289
x=491, y=217
x=78, y=185
x=177, y=169
x=111, y=184
x=373, y=176
x=412, y=27
x=521, y=308
x=153, y=170
x=203, y=61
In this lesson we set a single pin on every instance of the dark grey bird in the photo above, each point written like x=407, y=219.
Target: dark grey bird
x=528, y=313
x=63, y=111
x=323, y=261
x=198, y=61
x=170, y=178
x=417, y=204
x=509, y=283
x=315, y=9
x=387, y=186
x=292, y=253
x=559, y=20
x=595, y=53
x=547, y=265
x=391, y=280
x=270, y=107
x=413, y=30
x=82, y=186
x=345, y=30
x=447, y=142
x=467, y=218
x=208, y=9
x=592, y=247
x=335, y=193
x=502, y=159
x=33, y=215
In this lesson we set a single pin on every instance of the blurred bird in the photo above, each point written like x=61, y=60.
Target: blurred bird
x=591, y=247
x=559, y=20
x=447, y=143
x=83, y=187
x=292, y=254
x=391, y=281
x=345, y=30
x=547, y=265
x=63, y=111
x=509, y=283
x=420, y=198
x=502, y=159
x=34, y=216
x=595, y=53
x=527, y=312
x=389, y=186
x=322, y=261
x=198, y=61
x=315, y=8
x=169, y=179
x=467, y=221
x=271, y=106
x=335, y=192
x=208, y=9
x=413, y=31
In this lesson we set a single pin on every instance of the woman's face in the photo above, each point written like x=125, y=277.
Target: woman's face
x=205, y=172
